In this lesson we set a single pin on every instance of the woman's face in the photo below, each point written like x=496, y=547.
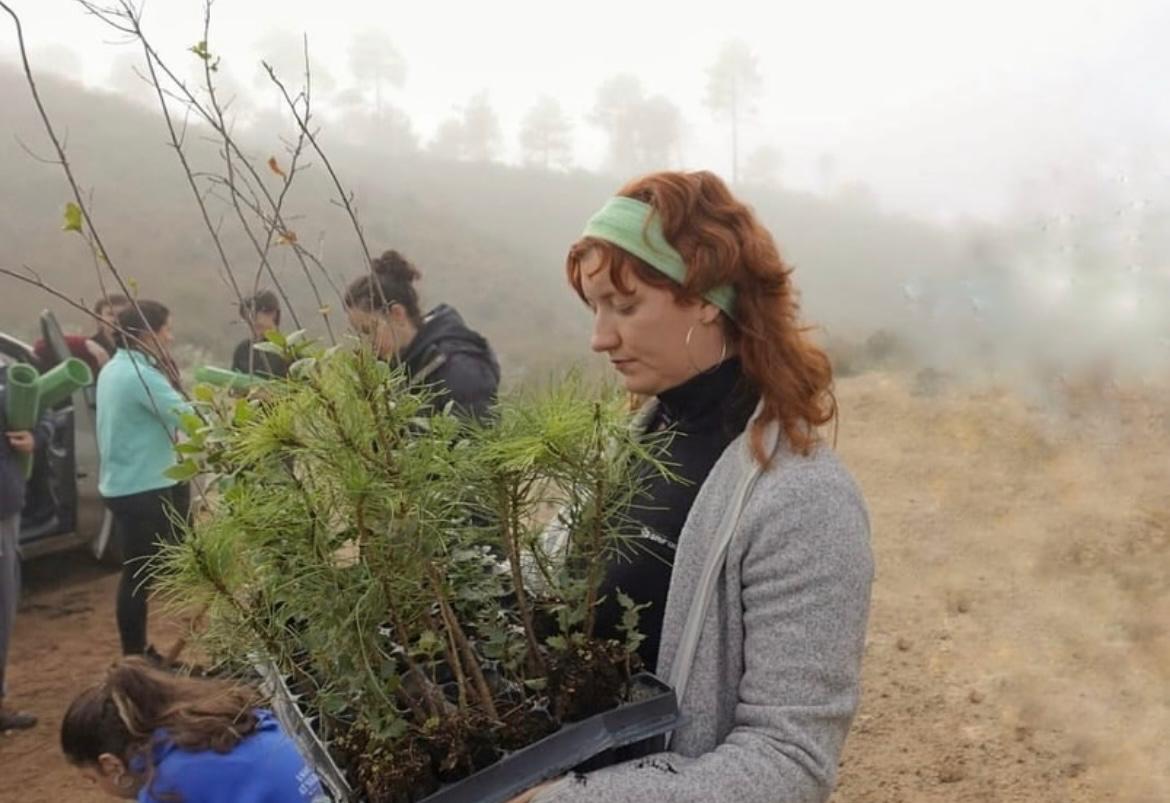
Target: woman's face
x=387, y=333
x=109, y=319
x=159, y=344
x=166, y=336
x=262, y=324
x=644, y=332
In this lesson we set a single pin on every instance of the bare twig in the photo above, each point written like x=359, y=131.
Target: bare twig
x=346, y=198
x=133, y=20
x=32, y=154
x=126, y=20
x=83, y=205
x=304, y=253
x=62, y=160
x=275, y=223
x=230, y=166
x=31, y=277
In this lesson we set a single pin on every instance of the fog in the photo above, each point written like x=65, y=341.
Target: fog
x=942, y=109
x=997, y=170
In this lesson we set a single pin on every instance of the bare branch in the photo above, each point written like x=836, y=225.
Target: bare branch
x=183, y=129
x=31, y=277
x=303, y=123
x=82, y=204
x=302, y=252
x=229, y=164
x=29, y=151
x=289, y=177
x=107, y=14
x=87, y=226
x=213, y=116
x=177, y=145
x=275, y=224
x=98, y=256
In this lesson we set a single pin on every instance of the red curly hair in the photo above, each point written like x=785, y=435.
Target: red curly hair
x=722, y=242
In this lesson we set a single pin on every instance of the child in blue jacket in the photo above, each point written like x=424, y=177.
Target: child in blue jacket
x=146, y=735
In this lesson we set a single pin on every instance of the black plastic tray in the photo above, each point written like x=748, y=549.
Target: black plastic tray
x=636, y=726
x=300, y=727
x=647, y=718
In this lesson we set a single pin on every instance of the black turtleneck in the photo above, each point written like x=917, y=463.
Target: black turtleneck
x=706, y=414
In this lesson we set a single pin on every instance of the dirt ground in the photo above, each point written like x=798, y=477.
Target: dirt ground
x=1019, y=646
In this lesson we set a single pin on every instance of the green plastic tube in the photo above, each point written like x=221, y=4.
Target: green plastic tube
x=21, y=407
x=223, y=378
x=61, y=382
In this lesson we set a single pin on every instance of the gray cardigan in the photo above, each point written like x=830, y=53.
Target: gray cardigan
x=775, y=679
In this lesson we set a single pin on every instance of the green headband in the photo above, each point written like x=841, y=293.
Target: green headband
x=630, y=225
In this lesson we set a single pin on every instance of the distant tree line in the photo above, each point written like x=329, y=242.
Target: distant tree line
x=643, y=128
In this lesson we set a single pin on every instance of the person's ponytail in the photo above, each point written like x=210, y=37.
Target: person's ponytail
x=121, y=715
x=389, y=281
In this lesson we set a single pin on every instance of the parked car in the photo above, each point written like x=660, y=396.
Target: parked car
x=64, y=509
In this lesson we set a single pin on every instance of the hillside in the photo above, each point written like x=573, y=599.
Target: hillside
x=489, y=238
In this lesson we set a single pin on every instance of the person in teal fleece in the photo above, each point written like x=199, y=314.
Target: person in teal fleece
x=139, y=402
x=147, y=735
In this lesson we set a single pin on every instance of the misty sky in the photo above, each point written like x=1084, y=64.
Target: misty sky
x=944, y=109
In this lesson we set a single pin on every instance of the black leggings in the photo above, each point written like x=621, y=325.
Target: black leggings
x=142, y=523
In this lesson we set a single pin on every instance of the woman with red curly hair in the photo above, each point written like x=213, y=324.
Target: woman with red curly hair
x=765, y=548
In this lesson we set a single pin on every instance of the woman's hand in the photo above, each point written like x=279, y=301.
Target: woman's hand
x=22, y=441
x=530, y=795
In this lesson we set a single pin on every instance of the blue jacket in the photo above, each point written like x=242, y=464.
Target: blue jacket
x=137, y=415
x=265, y=767
x=12, y=482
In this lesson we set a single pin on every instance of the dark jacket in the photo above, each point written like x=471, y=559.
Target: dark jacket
x=455, y=362
x=260, y=363
x=12, y=481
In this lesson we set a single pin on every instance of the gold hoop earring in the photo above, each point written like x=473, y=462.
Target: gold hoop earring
x=691, y=359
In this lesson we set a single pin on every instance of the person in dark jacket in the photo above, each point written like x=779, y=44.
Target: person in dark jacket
x=94, y=350
x=12, y=498
x=262, y=314
x=108, y=308
x=437, y=349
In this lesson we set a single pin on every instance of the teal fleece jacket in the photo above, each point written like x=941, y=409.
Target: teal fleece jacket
x=138, y=414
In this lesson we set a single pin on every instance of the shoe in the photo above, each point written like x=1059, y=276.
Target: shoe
x=154, y=657
x=16, y=720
